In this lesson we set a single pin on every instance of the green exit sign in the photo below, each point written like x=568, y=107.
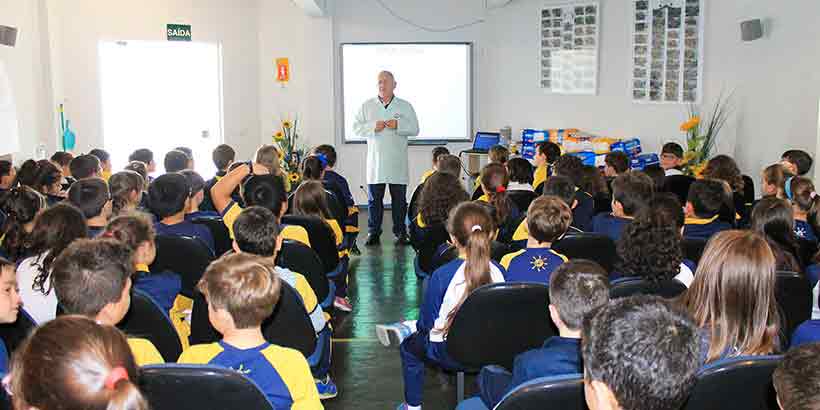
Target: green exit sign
x=179, y=32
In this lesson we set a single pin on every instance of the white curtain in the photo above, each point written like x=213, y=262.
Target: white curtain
x=9, y=133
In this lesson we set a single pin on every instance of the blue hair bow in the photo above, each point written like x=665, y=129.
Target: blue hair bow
x=322, y=159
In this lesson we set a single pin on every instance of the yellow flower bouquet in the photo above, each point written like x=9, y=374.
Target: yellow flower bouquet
x=291, y=153
x=701, y=136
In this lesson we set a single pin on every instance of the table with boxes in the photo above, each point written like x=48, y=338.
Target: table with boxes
x=590, y=148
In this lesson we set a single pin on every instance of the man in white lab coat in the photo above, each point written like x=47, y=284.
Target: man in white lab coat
x=386, y=122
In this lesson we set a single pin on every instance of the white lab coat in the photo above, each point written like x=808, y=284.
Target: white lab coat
x=386, y=150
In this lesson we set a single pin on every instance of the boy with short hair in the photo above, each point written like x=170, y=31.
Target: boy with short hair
x=672, y=158
x=630, y=365
x=572, y=167
x=92, y=277
x=338, y=183
x=168, y=198
x=498, y=154
x=91, y=196
x=630, y=193
x=188, y=153
x=546, y=154
x=242, y=290
x=145, y=156
x=703, y=205
x=437, y=153
x=62, y=159
x=105, y=162
x=577, y=288
x=194, y=209
x=257, y=232
x=797, y=378
x=548, y=219
x=10, y=303
x=617, y=163
x=796, y=161
x=176, y=161
x=562, y=187
x=223, y=156
x=85, y=166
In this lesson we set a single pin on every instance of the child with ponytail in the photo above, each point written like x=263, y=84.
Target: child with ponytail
x=471, y=230
x=19, y=205
x=126, y=191
x=73, y=363
x=494, y=182
x=806, y=203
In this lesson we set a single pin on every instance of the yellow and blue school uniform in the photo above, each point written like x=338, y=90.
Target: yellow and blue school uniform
x=426, y=175
x=539, y=176
x=426, y=239
x=531, y=265
x=704, y=228
x=293, y=232
x=164, y=289
x=309, y=299
x=351, y=224
x=804, y=231
x=144, y=352
x=281, y=373
x=610, y=225
x=584, y=211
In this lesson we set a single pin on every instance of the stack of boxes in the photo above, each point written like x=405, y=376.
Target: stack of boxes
x=591, y=149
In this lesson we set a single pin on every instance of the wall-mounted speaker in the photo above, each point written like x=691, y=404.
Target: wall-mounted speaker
x=8, y=36
x=751, y=30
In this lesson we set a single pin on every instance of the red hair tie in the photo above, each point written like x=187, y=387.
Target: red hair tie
x=117, y=374
x=107, y=234
x=501, y=188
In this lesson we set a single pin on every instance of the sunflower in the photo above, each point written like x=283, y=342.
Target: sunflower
x=286, y=124
x=293, y=177
x=279, y=136
x=689, y=125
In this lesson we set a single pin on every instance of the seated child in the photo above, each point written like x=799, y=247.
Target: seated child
x=242, y=290
x=703, y=204
x=20, y=206
x=188, y=153
x=520, y=171
x=546, y=153
x=797, y=162
x=617, y=162
x=576, y=288
x=223, y=157
x=334, y=179
x=257, y=233
x=672, y=158
x=494, y=181
x=804, y=200
x=548, y=219
x=92, y=277
x=562, y=187
x=630, y=194
x=175, y=161
x=91, y=196
x=774, y=219
x=594, y=183
x=449, y=164
x=74, y=363
x=54, y=229
x=10, y=303
x=61, y=159
x=105, y=162
x=437, y=153
x=808, y=331
x=8, y=174
x=797, y=377
x=774, y=181
x=48, y=181
x=471, y=228
x=629, y=365
x=85, y=166
x=193, y=209
x=126, y=191
x=136, y=232
x=572, y=167
x=497, y=154
x=146, y=156
x=168, y=198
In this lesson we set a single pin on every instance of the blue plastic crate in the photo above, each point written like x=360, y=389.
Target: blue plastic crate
x=588, y=157
x=642, y=161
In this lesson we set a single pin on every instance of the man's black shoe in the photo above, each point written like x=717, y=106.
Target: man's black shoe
x=372, y=240
x=402, y=240
x=355, y=250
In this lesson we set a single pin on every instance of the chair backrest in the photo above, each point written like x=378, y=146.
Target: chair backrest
x=300, y=258
x=198, y=387
x=522, y=199
x=187, y=257
x=631, y=286
x=222, y=238
x=745, y=381
x=288, y=326
x=693, y=249
x=446, y=253
x=146, y=319
x=794, y=299
x=515, y=314
x=678, y=185
x=413, y=205
x=321, y=239
x=592, y=246
x=336, y=205
x=437, y=235
x=14, y=333
x=560, y=392
x=748, y=189
x=806, y=250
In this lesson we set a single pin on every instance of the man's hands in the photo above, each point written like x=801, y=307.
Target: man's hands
x=391, y=124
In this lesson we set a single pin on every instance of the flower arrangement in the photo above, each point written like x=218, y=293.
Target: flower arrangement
x=291, y=153
x=701, y=136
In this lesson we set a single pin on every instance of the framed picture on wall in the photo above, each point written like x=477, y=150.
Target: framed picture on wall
x=667, y=51
x=568, y=55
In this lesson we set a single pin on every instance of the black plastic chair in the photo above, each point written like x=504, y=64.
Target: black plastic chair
x=794, y=299
x=338, y=210
x=748, y=191
x=197, y=387
x=591, y=246
x=433, y=238
x=222, y=238
x=678, y=185
x=738, y=383
x=321, y=239
x=516, y=316
x=145, y=319
x=522, y=199
x=625, y=287
x=288, y=326
x=187, y=257
x=300, y=258
x=560, y=392
x=806, y=250
x=693, y=249
x=13, y=334
x=446, y=255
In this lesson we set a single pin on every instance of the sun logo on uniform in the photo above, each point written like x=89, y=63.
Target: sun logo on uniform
x=243, y=370
x=801, y=232
x=538, y=263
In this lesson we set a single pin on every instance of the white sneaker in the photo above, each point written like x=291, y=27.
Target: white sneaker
x=394, y=333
